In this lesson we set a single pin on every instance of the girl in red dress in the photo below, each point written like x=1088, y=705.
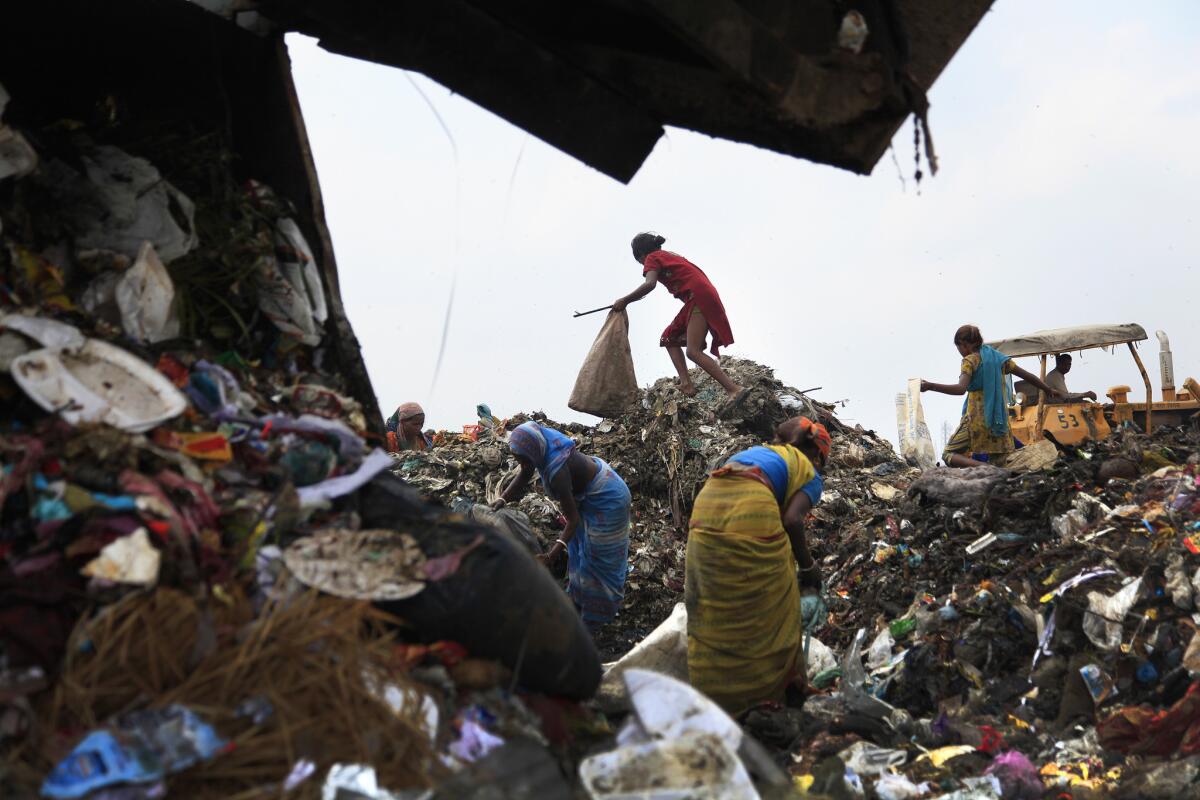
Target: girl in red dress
x=702, y=311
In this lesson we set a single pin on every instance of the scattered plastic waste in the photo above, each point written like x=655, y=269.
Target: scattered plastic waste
x=130, y=559
x=140, y=747
x=1103, y=622
x=864, y=758
x=474, y=742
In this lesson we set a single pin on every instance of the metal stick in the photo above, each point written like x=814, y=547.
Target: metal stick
x=593, y=311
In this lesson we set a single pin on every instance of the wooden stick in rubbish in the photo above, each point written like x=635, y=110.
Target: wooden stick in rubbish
x=593, y=311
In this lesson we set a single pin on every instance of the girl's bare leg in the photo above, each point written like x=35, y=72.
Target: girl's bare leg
x=685, y=381
x=697, y=335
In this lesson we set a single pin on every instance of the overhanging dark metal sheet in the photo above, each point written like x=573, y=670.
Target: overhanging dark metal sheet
x=599, y=79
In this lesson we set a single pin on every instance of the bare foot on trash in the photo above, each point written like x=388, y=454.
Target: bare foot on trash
x=687, y=389
x=736, y=398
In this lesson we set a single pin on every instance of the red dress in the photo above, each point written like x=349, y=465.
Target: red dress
x=689, y=283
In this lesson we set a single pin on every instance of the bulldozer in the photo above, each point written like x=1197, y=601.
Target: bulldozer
x=1032, y=415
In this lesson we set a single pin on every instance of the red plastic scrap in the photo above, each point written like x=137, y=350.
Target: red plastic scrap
x=174, y=369
x=991, y=740
x=438, y=569
x=160, y=528
x=447, y=652
x=1144, y=730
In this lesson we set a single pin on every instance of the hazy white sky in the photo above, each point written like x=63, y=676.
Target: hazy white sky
x=1067, y=134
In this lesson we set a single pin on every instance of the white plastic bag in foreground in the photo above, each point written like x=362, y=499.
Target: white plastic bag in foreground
x=677, y=745
x=915, y=441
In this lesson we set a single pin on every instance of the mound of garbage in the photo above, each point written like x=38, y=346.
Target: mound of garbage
x=991, y=632
x=210, y=584
x=213, y=585
x=1028, y=633
x=663, y=447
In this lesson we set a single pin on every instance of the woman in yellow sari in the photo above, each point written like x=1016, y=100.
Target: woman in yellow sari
x=745, y=540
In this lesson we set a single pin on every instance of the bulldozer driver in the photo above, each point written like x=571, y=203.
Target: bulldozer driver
x=1056, y=380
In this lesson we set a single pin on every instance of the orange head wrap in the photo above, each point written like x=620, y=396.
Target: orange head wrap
x=795, y=430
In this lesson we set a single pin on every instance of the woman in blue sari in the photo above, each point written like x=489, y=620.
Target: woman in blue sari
x=595, y=502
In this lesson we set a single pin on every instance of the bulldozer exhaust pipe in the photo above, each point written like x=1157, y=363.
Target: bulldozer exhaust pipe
x=1166, y=366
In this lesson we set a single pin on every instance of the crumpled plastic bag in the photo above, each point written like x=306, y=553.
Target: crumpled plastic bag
x=880, y=651
x=898, y=787
x=664, y=650
x=17, y=157
x=300, y=265
x=289, y=287
x=356, y=781
x=865, y=758
x=1085, y=511
x=985, y=787
x=813, y=612
x=1103, y=621
x=145, y=296
x=1019, y=778
x=474, y=742
x=129, y=559
x=916, y=443
x=854, y=679
x=819, y=657
x=1179, y=586
x=136, y=205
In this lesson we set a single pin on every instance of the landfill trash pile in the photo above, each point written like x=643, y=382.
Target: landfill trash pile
x=210, y=584
x=213, y=586
x=994, y=632
x=1011, y=635
x=664, y=446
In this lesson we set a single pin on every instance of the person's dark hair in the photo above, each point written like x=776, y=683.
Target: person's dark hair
x=646, y=243
x=970, y=336
x=1062, y=357
x=806, y=442
x=800, y=433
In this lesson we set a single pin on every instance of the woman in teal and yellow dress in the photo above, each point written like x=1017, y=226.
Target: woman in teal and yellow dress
x=983, y=434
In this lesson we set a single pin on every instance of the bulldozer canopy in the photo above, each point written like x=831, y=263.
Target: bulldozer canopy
x=1061, y=340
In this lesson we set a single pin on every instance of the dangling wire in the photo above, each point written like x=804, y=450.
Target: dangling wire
x=437, y=367
x=917, y=151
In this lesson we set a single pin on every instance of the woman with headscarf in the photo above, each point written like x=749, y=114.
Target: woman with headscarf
x=742, y=588
x=404, y=429
x=983, y=435
x=702, y=313
x=595, y=502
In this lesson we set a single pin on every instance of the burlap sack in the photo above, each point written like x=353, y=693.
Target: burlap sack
x=607, y=385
